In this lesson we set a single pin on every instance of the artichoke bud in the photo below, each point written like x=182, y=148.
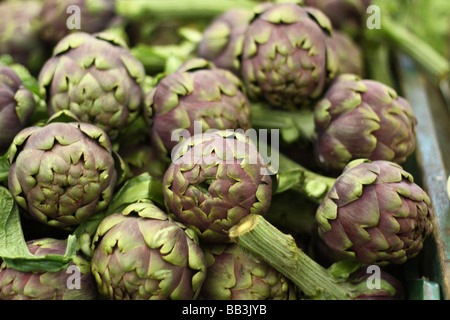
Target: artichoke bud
x=143, y=254
x=284, y=56
x=223, y=38
x=96, y=78
x=375, y=214
x=63, y=172
x=72, y=283
x=197, y=93
x=17, y=106
x=215, y=180
x=234, y=275
x=360, y=118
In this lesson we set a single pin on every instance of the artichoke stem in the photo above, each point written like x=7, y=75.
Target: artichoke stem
x=293, y=125
x=293, y=176
x=136, y=9
x=261, y=239
x=421, y=52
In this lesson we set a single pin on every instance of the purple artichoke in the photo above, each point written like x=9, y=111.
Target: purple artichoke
x=17, y=106
x=348, y=54
x=359, y=118
x=347, y=16
x=284, y=57
x=233, y=275
x=142, y=254
x=223, y=38
x=197, y=91
x=95, y=16
x=18, y=33
x=62, y=173
x=216, y=180
x=375, y=213
x=59, y=285
x=96, y=78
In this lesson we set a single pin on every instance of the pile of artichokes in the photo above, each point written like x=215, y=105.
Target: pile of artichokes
x=128, y=171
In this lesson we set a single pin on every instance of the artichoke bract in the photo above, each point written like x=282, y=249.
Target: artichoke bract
x=62, y=173
x=360, y=118
x=143, y=254
x=56, y=17
x=233, y=275
x=196, y=92
x=214, y=181
x=17, y=106
x=284, y=56
x=96, y=78
x=223, y=38
x=375, y=214
x=75, y=282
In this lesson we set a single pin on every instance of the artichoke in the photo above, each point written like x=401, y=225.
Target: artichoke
x=233, y=275
x=95, y=16
x=390, y=287
x=346, y=16
x=343, y=47
x=72, y=283
x=62, y=173
x=96, y=78
x=222, y=39
x=18, y=35
x=197, y=91
x=375, y=214
x=214, y=181
x=17, y=106
x=284, y=56
x=359, y=118
x=143, y=254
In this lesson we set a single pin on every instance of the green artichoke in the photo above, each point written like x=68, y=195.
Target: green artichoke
x=96, y=78
x=375, y=213
x=359, y=118
x=62, y=173
x=214, y=181
x=346, y=16
x=72, y=283
x=56, y=17
x=223, y=38
x=233, y=275
x=143, y=254
x=17, y=106
x=197, y=91
x=284, y=57
x=18, y=33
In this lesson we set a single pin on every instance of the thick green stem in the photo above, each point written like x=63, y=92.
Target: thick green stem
x=179, y=9
x=293, y=125
x=422, y=53
x=293, y=176
x=265, y=241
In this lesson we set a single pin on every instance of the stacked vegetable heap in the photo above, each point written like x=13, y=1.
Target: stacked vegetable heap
x=128, y=171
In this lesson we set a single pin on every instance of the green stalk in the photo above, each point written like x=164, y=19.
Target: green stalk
x=259, y=237
x=293, y=176
x=421, y=52
x=293, y=125
x=178, y=9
